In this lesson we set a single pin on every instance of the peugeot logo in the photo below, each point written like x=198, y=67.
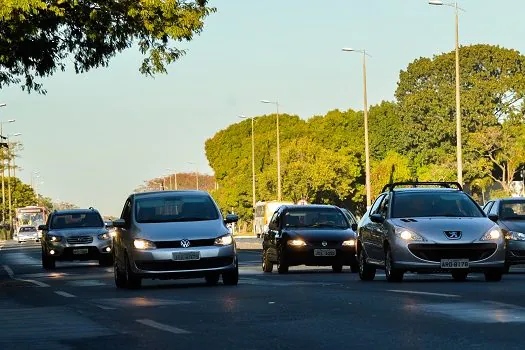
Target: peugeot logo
x=453, y=234
x=324, y=244
x=184, y=243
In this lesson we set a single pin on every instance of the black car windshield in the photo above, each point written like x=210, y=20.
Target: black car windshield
x=315, y=217
x=427, y=204
x=170, y=208
x=27, y=229
x=512, y=210
x=76, y=220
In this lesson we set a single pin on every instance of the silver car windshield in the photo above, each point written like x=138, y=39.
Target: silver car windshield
x=63, y=221
x=512, y=210
x=175, y=208
x=315, y=217
x=27, y=229
x=429, y=204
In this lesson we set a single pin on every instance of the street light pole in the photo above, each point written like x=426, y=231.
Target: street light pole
x=365, y=115
x=459, y=147
x=2, y=160
x=276, y=103
x=9, y=156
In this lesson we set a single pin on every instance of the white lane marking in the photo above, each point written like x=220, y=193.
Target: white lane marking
x=423, y=293
x=162, y=327
x=106, y=307
x=12, y=276
x=510, y=306
x=65, y=294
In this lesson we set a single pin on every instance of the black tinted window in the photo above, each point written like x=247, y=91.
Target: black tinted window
x=512, y=210
x=314, y=217
x=425, y=204
x=61, y=221
x=168, y=208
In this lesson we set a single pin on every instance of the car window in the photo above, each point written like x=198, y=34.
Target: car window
x=512, y=210
x=383, y=207
x=126, y=211
x=314, y=217
x=27, y=229
x=175, y=207
x=76, y=220
x=429, y=204
x=494, y=208
x=376, y=204
x=487, y=207
x=273, y=222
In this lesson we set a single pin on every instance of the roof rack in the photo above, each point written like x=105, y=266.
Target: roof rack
x=390, y=187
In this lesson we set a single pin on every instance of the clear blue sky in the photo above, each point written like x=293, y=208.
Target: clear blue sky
x=95, y=137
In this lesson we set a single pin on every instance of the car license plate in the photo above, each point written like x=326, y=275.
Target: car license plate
x=184, y=256
x=80, y=251
x=454, y=263
x=324, y=252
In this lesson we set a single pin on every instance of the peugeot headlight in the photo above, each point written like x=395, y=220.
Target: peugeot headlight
x=143, y=244
x=104, y=236
x=224, y=240
x=296, y=243
x=54, y=238
x=493, y=234
x=349, y=243
x=515, y=236
x=408, y=235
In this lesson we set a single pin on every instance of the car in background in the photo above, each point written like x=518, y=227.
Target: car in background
x=27, y=233
x=311, y=235
x=509, y=214
x=428, y=229
x=171, y=235
x=75, y=235
x=350, y=216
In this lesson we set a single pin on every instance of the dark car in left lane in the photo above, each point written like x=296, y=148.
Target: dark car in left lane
x=311, y=235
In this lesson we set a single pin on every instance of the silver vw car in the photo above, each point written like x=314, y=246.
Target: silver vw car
x=431, y=227
x=173, y=234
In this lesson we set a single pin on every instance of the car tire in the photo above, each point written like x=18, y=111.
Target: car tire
x=106, y=260
x=231, y=278
x=212, y=279
x=392, y=274
x=354, y=268
x=282, y=267
x=493, y=275
x=366, y=271
x=459, y=276
x=337, y=268
x=48, y=263
x=120, y=276
x=267, y=265
x=132, y=280
x=506, y=269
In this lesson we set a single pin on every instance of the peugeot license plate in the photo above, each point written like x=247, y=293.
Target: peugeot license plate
x=454, y=263
x=324, y=252
x=184, y=256
x=80, y=251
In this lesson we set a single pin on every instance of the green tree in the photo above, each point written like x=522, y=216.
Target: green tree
x=38, y=36
x=393, y=167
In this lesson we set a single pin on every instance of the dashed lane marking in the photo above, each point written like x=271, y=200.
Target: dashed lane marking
x=424, y=293
x=162, y=327
x=65, y=294
x=12, y=276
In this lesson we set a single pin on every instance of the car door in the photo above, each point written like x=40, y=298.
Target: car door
x=269, y=238
x=367, y=228
x=122, y=233
x=379, y=231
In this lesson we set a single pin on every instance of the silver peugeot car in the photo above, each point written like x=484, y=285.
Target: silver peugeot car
x=431, y=227
x=173, y=234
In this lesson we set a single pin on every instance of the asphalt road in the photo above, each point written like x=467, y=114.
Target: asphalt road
x=78, y=307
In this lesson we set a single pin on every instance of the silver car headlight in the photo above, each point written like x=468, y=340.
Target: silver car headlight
x=224, y=240
x=408, y=235
x=104, y=236
x=143, y=244
x=493, y=234
x=515, y=236
x=54, y=238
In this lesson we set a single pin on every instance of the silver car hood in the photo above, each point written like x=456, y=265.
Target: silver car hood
x=82, y=231
x=432, y=229
x=173, y=231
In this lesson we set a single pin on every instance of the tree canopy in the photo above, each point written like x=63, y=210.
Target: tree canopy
x=37, y=36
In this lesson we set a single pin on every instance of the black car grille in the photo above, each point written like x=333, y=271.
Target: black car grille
x=193, y=243
x=170, y=265
x=436, y=252
x=80, y=239
x=319, y=244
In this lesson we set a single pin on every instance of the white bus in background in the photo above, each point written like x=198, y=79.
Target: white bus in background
x=263, y=214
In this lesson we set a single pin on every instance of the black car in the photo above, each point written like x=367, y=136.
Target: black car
x=509, y=214
x=312, y=235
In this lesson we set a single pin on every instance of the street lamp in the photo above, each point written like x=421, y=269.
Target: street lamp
x=9, y=178
x=2, y=161
x=175, y=173
x=458, y=105
x=276, y=103
x=196, y=175
x=365, y=113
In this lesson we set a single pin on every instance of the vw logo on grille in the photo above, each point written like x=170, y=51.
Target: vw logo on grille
x=324, y=244
x=453, y=234
x=184, y=243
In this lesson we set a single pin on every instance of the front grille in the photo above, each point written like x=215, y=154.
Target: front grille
x=436, y=252
x=319, y=244
x=170, y=265
x=80, y=239
x=193, y=243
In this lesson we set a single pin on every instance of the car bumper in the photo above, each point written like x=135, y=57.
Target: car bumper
x=515, y=252
x=294, y=256
x=27, y=238
x=420, y=257
x=71, y=252
x=161, y=263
